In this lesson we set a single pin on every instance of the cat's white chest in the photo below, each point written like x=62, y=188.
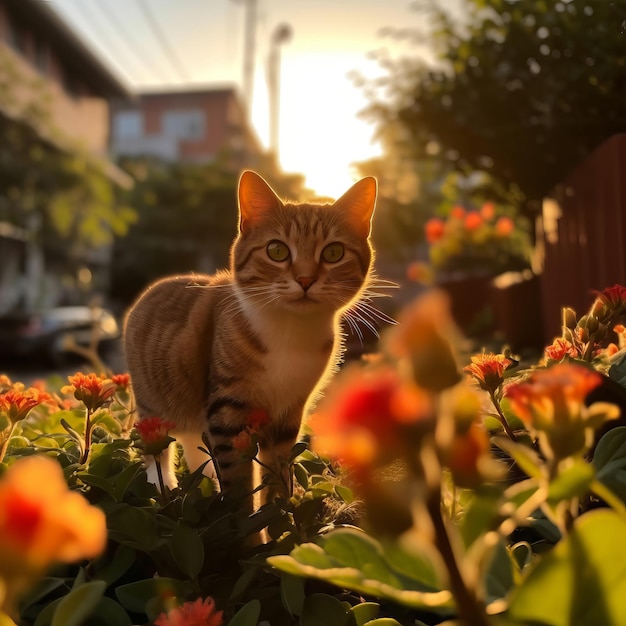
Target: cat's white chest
x=296, y=359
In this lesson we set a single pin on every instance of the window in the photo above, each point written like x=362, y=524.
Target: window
x=188, y=125
x=127, y=124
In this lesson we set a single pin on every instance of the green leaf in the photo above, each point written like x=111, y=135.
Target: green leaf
x=301, y=475
x=78, y=604
x=499, y=577
x=383, y=621
x=292, y=593
x=187, y=550
x=572, y=482
x=135, y=596
x=609, y=459
x=582, y=580
x=345, y=493
x=109, y=612
x=320, y=609
x=113, y=568
x=352, y=560
x=365, y=612
x=247, y=615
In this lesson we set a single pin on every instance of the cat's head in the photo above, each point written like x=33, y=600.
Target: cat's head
x=298, y=256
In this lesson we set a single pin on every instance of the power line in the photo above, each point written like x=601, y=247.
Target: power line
x=130, y=41
x=160, y=36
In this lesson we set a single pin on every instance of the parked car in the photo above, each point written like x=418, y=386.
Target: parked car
x=50, y=334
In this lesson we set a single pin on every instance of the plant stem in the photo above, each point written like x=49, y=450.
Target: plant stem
x=471, y=611
x=88, y=428
x=502, y=417
x=162, y=487
x=5, y=443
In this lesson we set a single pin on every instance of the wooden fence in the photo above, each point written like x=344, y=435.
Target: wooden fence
x=582, y=240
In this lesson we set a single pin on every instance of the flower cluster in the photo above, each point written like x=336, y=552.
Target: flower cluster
x=17, y=402
x=246, y=442
x=591, y=336
x=484, y=239
x=92, y=390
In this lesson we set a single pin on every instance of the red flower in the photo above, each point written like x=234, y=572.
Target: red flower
x=612, y=300
x=365, y=420
x=154, y=433
x=92, y=390
x=198, y=613
x=121, y=381
x=473, y=220
x=559, y=349
x=488, y=370
x=17, y=403
x=434, y=229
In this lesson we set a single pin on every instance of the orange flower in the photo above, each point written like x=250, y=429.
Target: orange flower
x=504, y=226
x=367, y=416
x=473, y=220
x=422, y=337
x=434, y=229
x=42, y=522
x=457, y=212
x=559, y=349
x=121, y=381
x=198, y=613
x=154, y=433
x=92, y=390
x=5, y=383
x=419, y=272
x=488, y=370
x=488, y=211
x=17, y=403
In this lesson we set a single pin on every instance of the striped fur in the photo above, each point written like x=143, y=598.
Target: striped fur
x=207, y=351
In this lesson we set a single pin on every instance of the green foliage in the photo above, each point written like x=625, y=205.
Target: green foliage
x=521, y=90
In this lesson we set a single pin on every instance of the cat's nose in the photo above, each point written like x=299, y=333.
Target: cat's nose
x=305, y=282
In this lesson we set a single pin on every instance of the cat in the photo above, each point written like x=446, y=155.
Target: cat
x=209, y=351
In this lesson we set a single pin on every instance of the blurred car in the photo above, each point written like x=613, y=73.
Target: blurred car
x=52, y=333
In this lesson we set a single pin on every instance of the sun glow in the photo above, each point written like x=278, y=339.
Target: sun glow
x=320, y=134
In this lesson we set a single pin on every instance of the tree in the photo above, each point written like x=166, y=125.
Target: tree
x=523, y=90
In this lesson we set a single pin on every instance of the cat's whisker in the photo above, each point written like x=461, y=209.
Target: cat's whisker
x=375, y=313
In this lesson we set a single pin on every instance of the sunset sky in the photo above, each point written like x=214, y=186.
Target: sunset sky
x=319, y=132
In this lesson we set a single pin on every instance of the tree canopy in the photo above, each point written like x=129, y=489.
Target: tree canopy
x=523, y=90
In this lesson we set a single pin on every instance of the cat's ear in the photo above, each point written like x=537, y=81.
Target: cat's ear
x=358, y=204
x=256, y=199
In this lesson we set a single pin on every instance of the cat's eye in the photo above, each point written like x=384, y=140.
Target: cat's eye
x=333, y=252
x=277, y=251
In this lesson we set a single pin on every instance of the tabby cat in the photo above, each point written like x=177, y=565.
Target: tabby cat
x=209, y=352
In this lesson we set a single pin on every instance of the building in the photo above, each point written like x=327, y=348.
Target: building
x=52, y=85
x=193, y=125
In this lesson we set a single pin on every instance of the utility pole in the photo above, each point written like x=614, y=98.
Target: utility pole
x=282, y=34
x=249, y=49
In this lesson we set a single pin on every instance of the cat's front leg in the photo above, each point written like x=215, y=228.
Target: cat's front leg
x=234, y=470
x=275, y=458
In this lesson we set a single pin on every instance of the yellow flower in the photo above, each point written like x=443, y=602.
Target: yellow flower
x=42, y=521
